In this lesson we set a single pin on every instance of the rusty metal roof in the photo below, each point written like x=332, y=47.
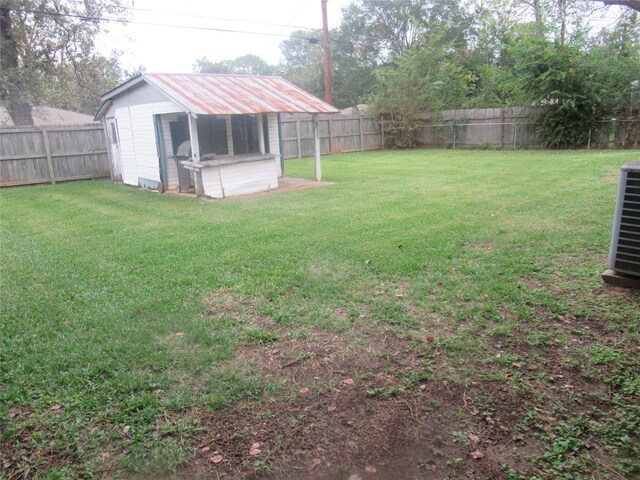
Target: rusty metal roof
x=220, y=94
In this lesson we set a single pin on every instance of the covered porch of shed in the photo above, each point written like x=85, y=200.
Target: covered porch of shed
x=222, y=155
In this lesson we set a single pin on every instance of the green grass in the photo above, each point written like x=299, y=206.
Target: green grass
x=106, y=342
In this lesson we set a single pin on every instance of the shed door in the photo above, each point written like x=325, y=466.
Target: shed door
x=114, y=147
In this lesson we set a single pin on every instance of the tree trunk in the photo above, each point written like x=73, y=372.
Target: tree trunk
x=562, y=14
x=537, y=8
x=12, y=91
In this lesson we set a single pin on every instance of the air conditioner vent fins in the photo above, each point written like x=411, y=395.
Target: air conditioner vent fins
x=624, y=255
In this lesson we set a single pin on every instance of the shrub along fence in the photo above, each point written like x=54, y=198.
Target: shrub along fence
x=30, y=155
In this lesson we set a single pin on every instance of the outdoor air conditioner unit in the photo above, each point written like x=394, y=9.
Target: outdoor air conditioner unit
x=624, y=253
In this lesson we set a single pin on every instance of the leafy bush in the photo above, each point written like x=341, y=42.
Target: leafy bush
x=560, y=79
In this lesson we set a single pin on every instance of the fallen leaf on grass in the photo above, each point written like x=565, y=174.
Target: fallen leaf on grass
x=477, y=454
x=205, y=449
x=105, y=455
x=431, y=339
x=475, y=439
x=332, y=408
x=474, y=411
x=490, y=420
x=304, y=391
x=216, y=459
x=179, y=334
x=370, y=469
x=314, y=463
x=56, y=407
x=347, y=381
x=518, y=437
x=255, y=449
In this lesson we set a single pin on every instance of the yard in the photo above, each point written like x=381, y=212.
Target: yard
x=434, y=314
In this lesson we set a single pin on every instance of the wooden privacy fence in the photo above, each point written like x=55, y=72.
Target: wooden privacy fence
x=511, y=128
x=481, y=127
x=338, y=134
x=46, y=155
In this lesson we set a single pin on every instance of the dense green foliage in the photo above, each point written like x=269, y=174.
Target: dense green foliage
x=49, y=56
x=410, y=55
x=244, y=65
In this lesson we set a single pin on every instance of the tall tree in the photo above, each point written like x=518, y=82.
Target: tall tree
x=616, y=59
x=390, y=28
x=48, y=44
x=303, y=61
x=243, y=65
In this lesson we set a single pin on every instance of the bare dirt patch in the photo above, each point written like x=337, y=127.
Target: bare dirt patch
x=532, y=283
x=225, y=303
x=479, y=247
x=359, y=403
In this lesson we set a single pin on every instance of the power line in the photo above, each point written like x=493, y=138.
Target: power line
x=292, y=19
x=92, y=18
x=234, y=20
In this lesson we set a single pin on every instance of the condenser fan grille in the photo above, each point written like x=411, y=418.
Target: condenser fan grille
x=625, y=248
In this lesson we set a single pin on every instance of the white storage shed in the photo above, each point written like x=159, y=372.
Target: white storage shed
x=217, y=135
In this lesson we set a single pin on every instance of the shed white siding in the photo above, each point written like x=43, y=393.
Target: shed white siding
x=127, y=147
x=250, y=177
x=274, y=140
x=134, y=114
x=142, y=94
x=239, y=178
x=211, y=182
x=227, y=119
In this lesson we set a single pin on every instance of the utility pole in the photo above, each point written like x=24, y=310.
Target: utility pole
x=328, y=90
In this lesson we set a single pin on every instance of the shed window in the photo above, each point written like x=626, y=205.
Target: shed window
x=245, y=134
x=212, y=135
x=113, y=133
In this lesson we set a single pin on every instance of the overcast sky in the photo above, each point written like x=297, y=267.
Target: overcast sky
x=166, y=49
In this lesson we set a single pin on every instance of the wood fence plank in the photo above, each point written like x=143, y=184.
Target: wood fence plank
x=47, y=150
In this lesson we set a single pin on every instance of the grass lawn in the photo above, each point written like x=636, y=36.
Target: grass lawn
x=433, y=314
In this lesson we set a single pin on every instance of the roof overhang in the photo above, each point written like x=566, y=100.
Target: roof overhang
x=104, y=108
